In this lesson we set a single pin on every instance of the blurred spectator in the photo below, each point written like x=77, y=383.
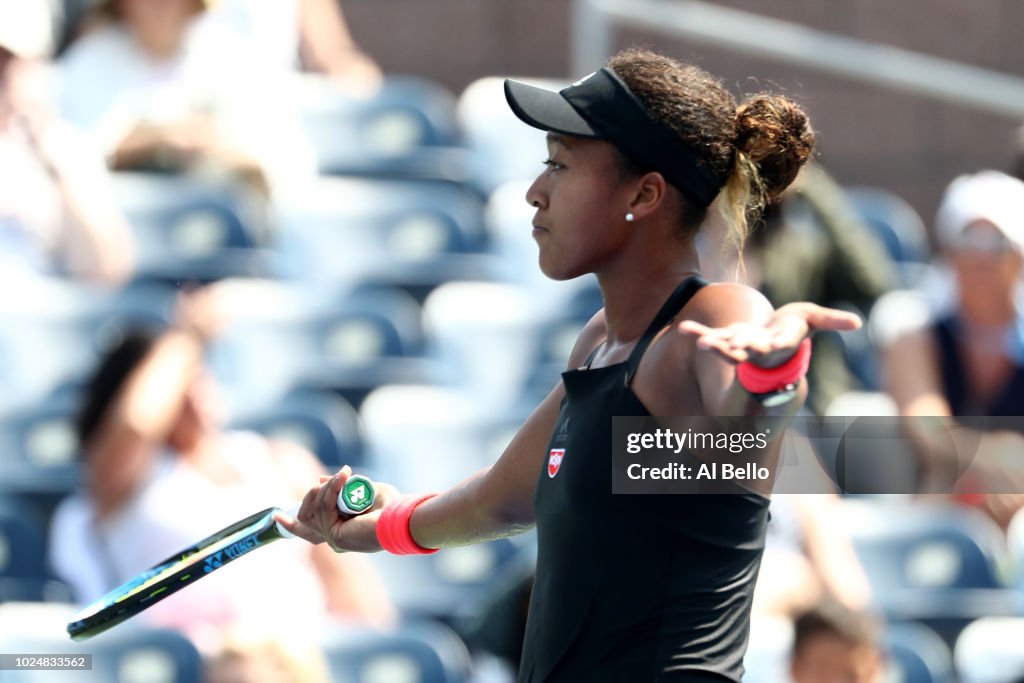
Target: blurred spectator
x=163, y=90
x=808, y=558
x=965, y=357
x=160, y=474
x=57, y=210
x=312, y=34
x=251, y=658
x=812, y=246
x=833, y=643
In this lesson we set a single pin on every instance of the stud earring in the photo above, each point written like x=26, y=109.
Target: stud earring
x=630, y=217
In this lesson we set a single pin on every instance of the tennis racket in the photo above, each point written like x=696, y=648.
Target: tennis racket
x=193, y=563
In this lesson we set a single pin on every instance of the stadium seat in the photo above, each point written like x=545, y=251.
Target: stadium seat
x=485, y=330
x=22, y=543
x=917, y=655
x=342, y=227
x=355, y=383
x=24, y=573
x=415, y=653
x=508, y=218
x=367, y=324
x=194, y=230
x=321, y=422
x=282, y=334
x=991, y=650
x=39, y=450
x=53, y=330
x=934, y=564
x=914, y=653
x=898, y=227
x=555, y=340
x=419, y=279
x=426, y=437
x=128, y=654
x=406, y=129
x=922, y=546
x=503, y=148
x=188, y=215
x=453, y=584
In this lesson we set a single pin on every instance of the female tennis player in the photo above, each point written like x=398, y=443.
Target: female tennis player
x=630, y=588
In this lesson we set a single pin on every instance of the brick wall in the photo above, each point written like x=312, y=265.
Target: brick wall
x=869, y=135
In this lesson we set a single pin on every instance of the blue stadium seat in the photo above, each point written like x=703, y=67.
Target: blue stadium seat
x=424, y=437
x=193, y=230
x=934, y=564
x=322, y=422
x=991, y=650
x=406, y=129
x=923, y=547
x=343, y=226
x=124, y=655
x=419, y=279
x=52, y=333
x=39, y=450
x=283, y=334
x=22, y=544
x=555, y=341
x=503, y=149
x=898, y=227
x=918, y=655
x=354, y=383
x=415, y=653
x=367, y=324
x=188, y=215
x=24, y=573
x=450, y=586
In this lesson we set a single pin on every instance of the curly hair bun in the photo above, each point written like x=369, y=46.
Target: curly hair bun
x=776, y=136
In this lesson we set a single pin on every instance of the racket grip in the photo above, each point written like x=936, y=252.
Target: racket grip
x=292, y=512
x=355, y=498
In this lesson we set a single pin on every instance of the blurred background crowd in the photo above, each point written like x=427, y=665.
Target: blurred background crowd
x=246, y=241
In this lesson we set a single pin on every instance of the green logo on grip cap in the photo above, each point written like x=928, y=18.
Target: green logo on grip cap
x=357, y=494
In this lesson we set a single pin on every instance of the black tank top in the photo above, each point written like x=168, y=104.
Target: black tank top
x=1008, y=402
x=634, y=588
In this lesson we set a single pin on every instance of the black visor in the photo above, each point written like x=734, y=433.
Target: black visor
x=600, y=106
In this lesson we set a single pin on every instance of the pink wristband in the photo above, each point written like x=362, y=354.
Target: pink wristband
x=393, y=527
x=758, y=380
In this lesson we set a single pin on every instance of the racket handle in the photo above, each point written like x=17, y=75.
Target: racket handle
x=292, y=512
x=355, y=498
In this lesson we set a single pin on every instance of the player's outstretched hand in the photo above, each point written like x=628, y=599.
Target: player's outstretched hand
x=320, y=521
x=774, y=342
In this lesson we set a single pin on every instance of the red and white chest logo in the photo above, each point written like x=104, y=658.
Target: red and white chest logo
x=555, y=461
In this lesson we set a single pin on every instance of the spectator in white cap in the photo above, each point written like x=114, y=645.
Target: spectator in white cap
x=969, y=360
x=57, y=211
x=981, y=211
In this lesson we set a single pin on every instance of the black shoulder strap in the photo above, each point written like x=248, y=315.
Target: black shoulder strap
x=679, y=298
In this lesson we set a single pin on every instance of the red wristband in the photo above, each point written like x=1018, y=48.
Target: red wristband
x=393, y=527
x=758, y=380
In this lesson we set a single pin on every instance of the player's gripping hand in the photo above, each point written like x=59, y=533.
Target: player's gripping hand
x=320, y=521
